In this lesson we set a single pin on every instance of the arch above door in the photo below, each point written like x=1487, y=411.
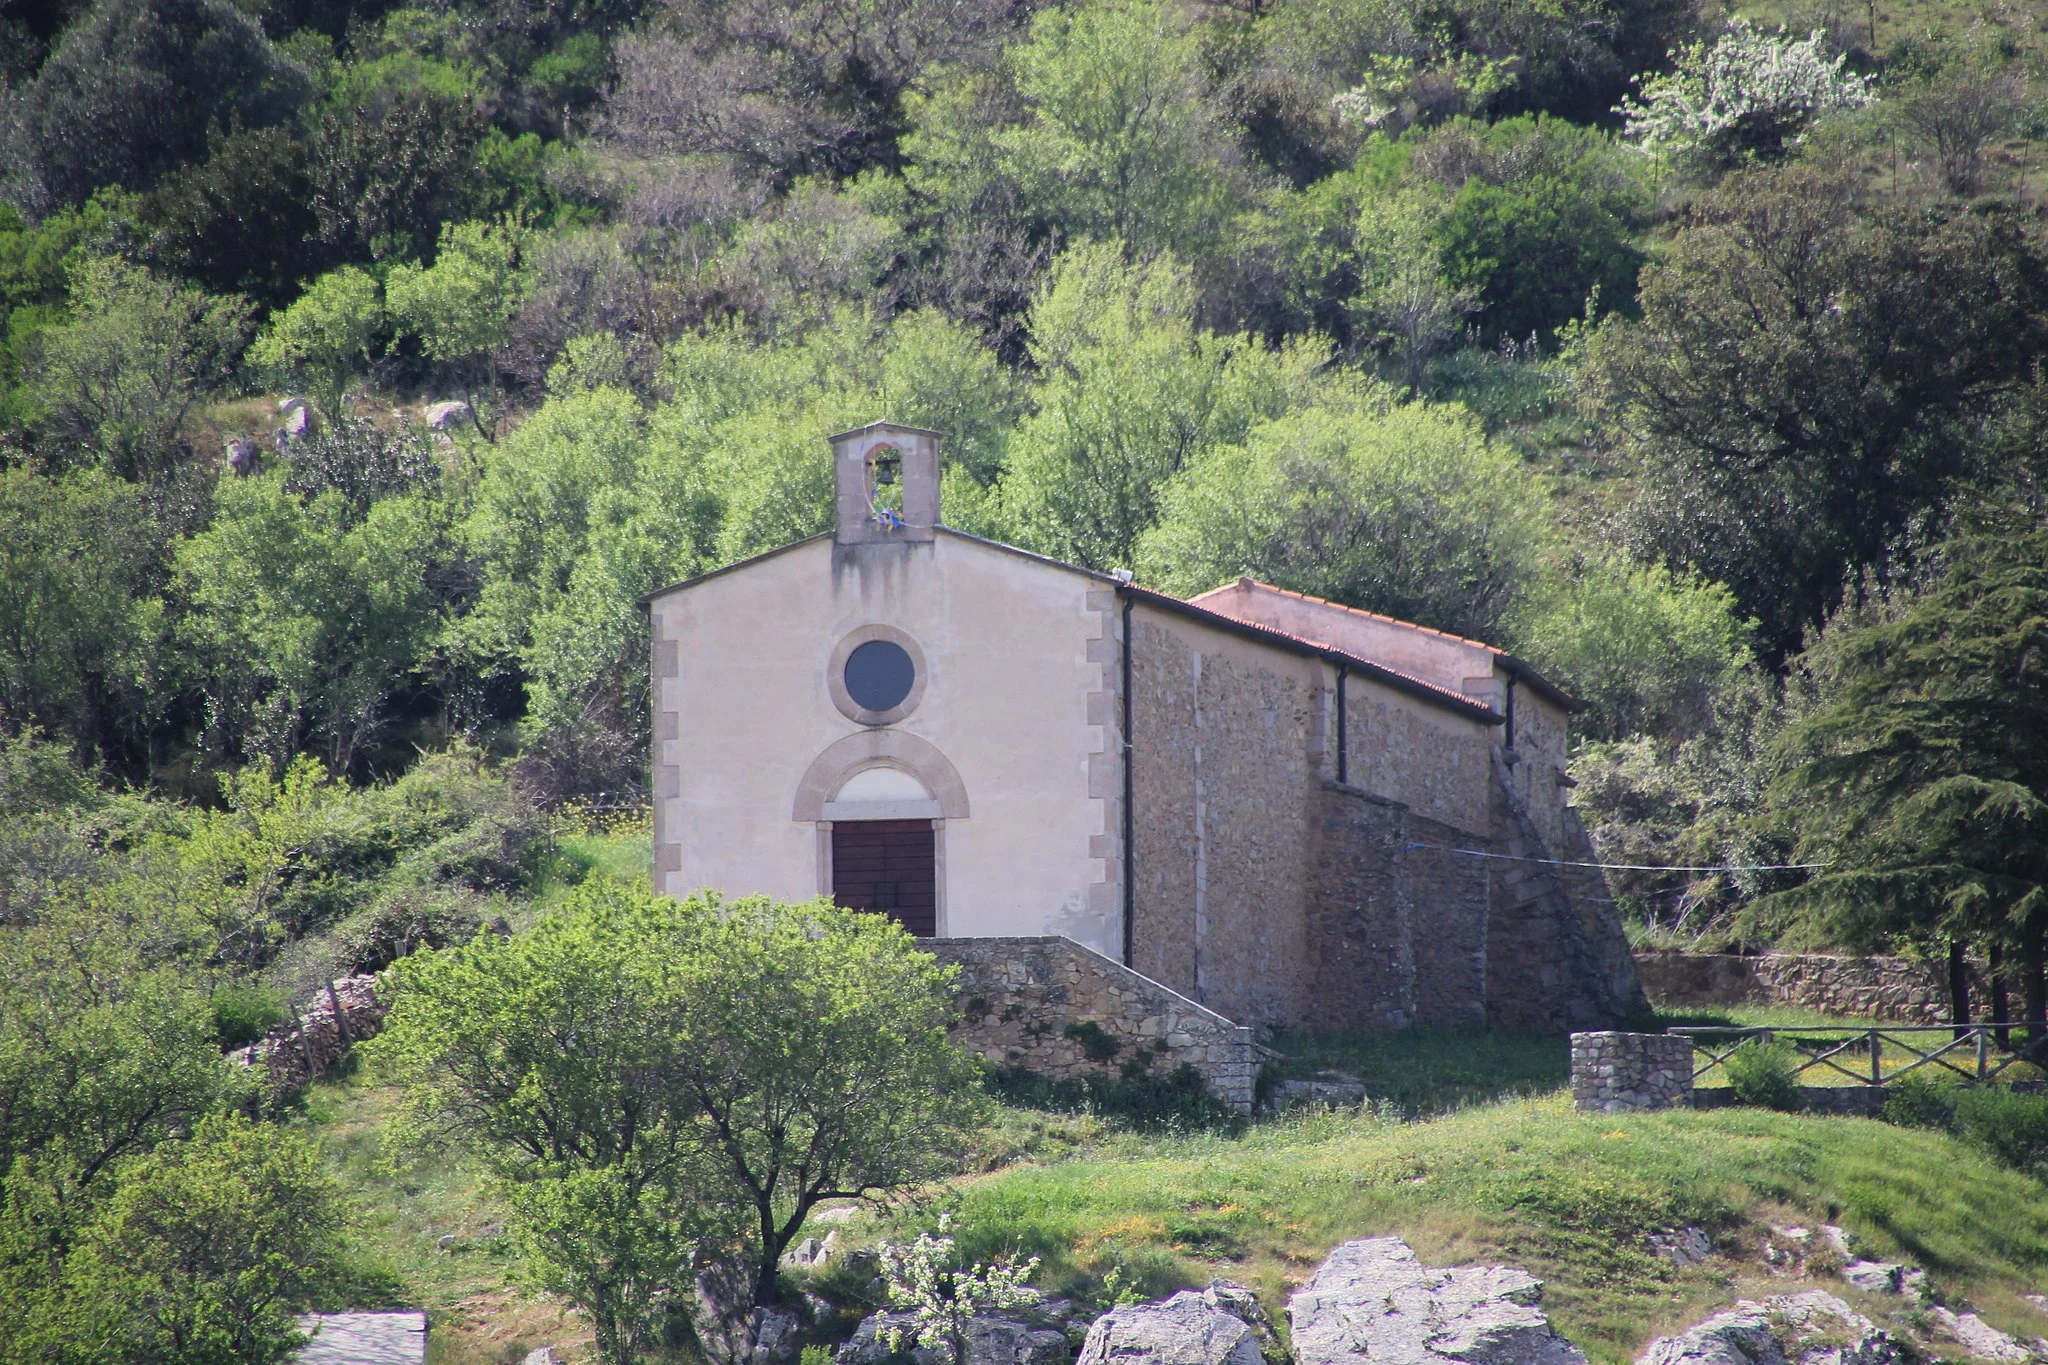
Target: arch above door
x=841, y=760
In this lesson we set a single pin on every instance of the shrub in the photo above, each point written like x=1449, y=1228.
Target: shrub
x=1764, y=1075
x=1096, y=1042
x=244, y=1011
x=1181, y=1099
x=2011, y=1126
x=1920, y=1102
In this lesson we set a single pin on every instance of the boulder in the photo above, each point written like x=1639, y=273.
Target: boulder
x=992, y=1339
x=541, y=1355
x=733, y=1333
x=1373, y=1301
x=442, y=416
x=243, y=454
x=1220, y=1325
x=1813, y=1328
x=1688, y=1246
x=1983, y=1341
x=1886, y=1277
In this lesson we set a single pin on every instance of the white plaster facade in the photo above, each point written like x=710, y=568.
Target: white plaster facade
x=1012, y=721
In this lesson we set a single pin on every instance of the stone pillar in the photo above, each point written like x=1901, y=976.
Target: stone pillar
x=1616, y=1073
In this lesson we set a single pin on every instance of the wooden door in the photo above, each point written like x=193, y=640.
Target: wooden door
x=888, y=867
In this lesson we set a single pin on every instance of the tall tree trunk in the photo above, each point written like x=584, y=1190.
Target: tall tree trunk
x=2036, y=989
x=1958, y=988
x=2001, y=1002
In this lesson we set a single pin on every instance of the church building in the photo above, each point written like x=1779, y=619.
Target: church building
x=1292, y=812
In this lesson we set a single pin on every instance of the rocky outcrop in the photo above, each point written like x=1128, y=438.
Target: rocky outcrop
x=1813, y=1328
x=1220, y=1325
x=1981, y=1341
x=442, y=416
x=1372, y=1301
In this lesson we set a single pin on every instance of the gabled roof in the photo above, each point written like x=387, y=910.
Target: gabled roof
x=892, y=426
x=1520, y=669
x=1420, y=688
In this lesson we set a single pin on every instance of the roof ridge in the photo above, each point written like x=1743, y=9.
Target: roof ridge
x=1361, y=611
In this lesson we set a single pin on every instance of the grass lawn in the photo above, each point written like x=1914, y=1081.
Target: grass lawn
x=1530, y=1182
x=470, y=1286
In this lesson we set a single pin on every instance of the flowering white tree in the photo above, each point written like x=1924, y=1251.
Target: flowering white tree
x=925, y=1280
x=1750, y=96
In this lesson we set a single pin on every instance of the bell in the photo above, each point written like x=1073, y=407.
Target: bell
x=886, y=462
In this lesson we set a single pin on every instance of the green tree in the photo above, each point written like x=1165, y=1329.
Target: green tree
x=1406, y=306
x=1402, y=508
x=461, y=307
x=80, y=623
x=305, y=614
x=130, y=92
x=1809, y=378
x=1646, y=650
x=118, y=377
x=391, y=154
x=1119, y=143
x=642, y=1073
x=1534, y=253
x=103, y=1056
x=324, y=334
x=242, y=221
x=207, y=1252
x=1920, y=777
x=1131, y=392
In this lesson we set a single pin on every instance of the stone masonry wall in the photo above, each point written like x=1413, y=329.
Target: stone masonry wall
x=1451, y=912
x=1020, y=996
x=1895, y=990
x=1223, y=770
x=1618, y=1072
x=291, y=1053
x=1555, y=961
x=1359, y=914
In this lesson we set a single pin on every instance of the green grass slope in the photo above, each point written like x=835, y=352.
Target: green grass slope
x=1504, y=1171
x=1572, y=1198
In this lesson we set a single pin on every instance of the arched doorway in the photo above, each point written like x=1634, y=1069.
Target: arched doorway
x=886, y=866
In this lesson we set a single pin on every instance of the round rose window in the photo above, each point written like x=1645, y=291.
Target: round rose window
x=879, y=675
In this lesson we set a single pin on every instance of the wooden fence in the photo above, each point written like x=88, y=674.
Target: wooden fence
x=1978, y=1053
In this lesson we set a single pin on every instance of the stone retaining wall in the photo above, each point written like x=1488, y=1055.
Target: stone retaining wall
x=1619, y=1072
x=1030, y=1003
x=1896, y=990
x=1856, y=1101
x=292, y=1054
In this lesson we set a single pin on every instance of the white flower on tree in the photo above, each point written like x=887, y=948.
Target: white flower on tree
x=1750, y=96
x=925, y=1280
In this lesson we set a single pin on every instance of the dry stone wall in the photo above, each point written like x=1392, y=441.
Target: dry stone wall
x=1894, y=990
x=1620, y=1072
x=295, y=1052
x=1030, y=1002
